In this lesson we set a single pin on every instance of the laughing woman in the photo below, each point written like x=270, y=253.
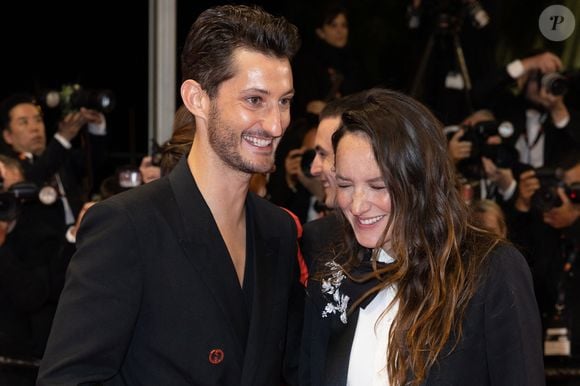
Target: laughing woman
x=416, y=294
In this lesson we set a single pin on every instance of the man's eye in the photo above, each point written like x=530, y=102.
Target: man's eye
x=254, y=100
x=286, y=101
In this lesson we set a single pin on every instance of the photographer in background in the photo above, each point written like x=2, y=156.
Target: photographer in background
x=31, y=277
x=292, y=186
x=548, y=230
x=482, y=149
x=452, y=48
x=545, y=126
x=64, y=164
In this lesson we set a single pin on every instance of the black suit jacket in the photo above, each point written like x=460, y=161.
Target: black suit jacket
x=152, y=297
x=318, y=240
x=501, y=342
x=319, y=237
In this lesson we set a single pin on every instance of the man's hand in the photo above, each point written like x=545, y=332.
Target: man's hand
x=503, y=177
x=92, y=116
x=545, y=62
x=458, y=149
x=528, y=185
x=71, y=124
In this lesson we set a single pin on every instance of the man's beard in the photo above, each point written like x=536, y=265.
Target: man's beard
x=225, y=142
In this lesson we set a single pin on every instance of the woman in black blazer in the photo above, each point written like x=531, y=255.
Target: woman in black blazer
x=415, y=294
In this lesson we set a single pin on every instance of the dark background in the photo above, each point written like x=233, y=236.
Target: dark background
x=103, y=45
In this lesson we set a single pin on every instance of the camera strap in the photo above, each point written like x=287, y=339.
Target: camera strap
x=69, y=218
x=540, y=131
x=530, y=143
x=557, y=338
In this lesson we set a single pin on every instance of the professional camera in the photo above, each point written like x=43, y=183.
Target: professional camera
x=546, y=197
x=449, y=15
x=478, y=135
x=502, y=154
x=477, y=14
x=555, y=83
x=12, y=199
x=71, y=97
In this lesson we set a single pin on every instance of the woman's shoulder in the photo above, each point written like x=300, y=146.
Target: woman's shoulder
x=507, y=266
x=506, y=254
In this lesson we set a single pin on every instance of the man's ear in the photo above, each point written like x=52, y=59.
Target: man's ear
x=320, y=33
x=195, y=99
x=7, y=135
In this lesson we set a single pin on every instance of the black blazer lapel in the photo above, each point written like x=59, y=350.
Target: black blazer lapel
x=265, y=267
x=206, y=251
x=338, y=353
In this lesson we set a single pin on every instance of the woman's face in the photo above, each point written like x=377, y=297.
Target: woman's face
x=335, y=33
x=362, y=194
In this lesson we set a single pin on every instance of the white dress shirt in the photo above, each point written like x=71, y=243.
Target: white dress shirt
x=368, y=355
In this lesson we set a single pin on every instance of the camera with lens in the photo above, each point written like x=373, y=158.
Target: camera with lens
x=555, y=83
x=477, y=14
x=71, y=97
x=546, y=197
x=449, y=15
x=501, y=154
x=11, y=200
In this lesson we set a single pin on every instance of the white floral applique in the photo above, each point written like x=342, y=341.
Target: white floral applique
x=331, y=286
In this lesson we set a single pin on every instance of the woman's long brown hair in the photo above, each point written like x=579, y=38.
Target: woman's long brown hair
x=438, y=254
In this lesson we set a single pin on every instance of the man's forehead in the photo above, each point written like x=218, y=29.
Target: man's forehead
x=326, y=127
x=25, y=108
x=244, y=58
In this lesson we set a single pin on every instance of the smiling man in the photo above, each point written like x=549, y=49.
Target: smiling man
x=191, y=279
x=323, y=233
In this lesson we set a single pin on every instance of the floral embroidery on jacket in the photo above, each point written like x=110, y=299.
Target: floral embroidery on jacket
x=331, y=286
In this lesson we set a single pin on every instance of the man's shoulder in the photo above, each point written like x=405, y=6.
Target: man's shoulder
x=143, y=196
x=329, y=224
x=320, y=236
x=266, y=205
x=268, y=212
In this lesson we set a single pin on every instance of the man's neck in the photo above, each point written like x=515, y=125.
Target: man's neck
x=223, y=188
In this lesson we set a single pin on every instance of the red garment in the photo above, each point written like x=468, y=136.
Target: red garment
x=301, y=262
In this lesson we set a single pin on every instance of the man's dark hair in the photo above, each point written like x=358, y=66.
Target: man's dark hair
x=336, y=107
x=218, y=31
x=9, y=103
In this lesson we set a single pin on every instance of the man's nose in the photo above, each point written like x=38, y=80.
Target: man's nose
x=272, y=121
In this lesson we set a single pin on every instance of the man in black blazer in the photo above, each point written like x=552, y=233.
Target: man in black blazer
x=322, y=235
x=324, y=232
x=190, y=279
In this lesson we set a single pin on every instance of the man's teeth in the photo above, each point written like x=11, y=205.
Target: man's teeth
x=259, y=142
